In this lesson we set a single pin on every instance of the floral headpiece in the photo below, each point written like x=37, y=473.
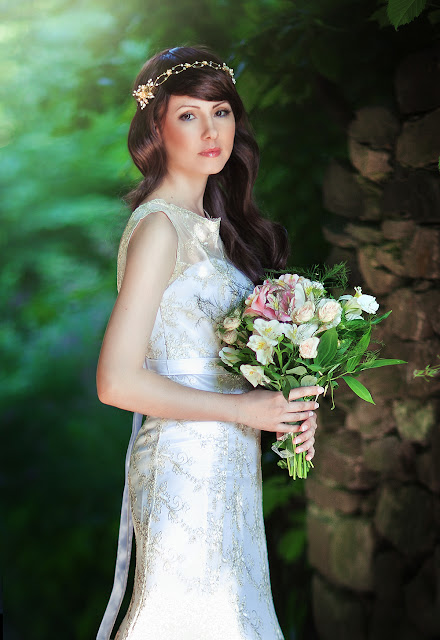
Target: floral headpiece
x=145, y=92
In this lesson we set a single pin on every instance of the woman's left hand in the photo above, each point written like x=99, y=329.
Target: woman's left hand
x=306, y=436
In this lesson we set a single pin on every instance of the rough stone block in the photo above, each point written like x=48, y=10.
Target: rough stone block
x=423, y=596
x=373, y=164
x=398, y=229
x=339, y=460
x=417, y=144
x=384, y=383
x=364, y=233
x=378, y=280
x=388, y=572
x=389, y=255
x=338, y=614
x=415, y=418
x=410, y=319
x=328, y=497
x=349, y=195
x=351, y=553
x=383, y=455
x=413, y=196
x=404, y=516
x=320, y=526
x=428, y=471
x=374, y=126
x=422, y=257
x=370, y=420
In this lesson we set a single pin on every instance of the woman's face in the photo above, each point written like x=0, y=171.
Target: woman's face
x=198, y=135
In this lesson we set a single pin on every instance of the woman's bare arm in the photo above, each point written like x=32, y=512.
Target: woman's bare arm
x=121, y=379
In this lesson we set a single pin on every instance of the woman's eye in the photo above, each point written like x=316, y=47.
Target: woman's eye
x=183, y=116
x=225, y=111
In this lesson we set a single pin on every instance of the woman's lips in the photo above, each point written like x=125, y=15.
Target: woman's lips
x=211, y=153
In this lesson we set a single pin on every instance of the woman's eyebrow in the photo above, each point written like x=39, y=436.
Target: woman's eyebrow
x=194, y=106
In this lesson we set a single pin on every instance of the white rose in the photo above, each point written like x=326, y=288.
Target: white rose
x=305, y=312
x=229, y=355
x=328, y=310
x=255, y=375
x=309, y=348
x=367, y=303
x=231, y=322
x=230, y=336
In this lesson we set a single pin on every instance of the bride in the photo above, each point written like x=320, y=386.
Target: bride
x=195, y=241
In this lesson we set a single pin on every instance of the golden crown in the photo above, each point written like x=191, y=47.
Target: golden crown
x=145, y=92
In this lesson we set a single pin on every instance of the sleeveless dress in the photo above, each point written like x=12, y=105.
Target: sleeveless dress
x=193, y=488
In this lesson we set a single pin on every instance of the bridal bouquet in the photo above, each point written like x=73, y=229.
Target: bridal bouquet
x=290, y=332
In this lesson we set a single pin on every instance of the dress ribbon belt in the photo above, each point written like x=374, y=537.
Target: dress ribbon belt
x=125, y=538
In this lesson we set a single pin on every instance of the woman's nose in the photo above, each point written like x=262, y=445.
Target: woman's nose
x=210, y=130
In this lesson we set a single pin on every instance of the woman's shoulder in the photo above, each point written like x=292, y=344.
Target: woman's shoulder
x=147, y=215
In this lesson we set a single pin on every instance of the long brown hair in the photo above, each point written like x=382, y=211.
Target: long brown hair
x=252, y=242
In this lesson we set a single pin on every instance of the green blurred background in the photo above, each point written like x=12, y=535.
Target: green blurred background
x=67, y=67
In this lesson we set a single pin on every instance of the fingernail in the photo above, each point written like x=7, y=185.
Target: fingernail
x=311, y=413
x=321, y=390
x=316, y=405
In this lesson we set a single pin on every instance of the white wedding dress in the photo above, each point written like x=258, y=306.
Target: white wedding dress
x=193, y=489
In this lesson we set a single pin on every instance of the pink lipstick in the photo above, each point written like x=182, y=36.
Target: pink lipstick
x=211, y=153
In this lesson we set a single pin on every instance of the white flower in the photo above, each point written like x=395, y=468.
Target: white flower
x=329, y=310
x=263, y=348
x=351, y=307
x=255, y=375
x=231, y=322
x=304, y=313
x=271, y=329
x=289, y=331
x=309, y=348
x=367, y=303
x=230, y=336
x=229, y=355
x=304, y=332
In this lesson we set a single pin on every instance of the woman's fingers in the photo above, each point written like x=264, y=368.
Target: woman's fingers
x=303, y=392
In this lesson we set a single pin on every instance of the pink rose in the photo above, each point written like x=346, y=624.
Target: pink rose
x=309, y=348
x=304, y=313
x=328, y=310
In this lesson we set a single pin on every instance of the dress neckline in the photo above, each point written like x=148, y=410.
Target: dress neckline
x=213, y=221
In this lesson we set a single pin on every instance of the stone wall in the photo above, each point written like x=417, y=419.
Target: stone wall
x=374, y=495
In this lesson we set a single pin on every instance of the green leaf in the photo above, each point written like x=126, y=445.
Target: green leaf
x=328, y=345
x=299, y=371
x=294, y=384
x=352, y=363
x=380, y=318
x=404, y=11
x=359, y=389
x=384, y=362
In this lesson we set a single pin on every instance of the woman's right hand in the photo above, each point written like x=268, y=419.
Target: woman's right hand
x=270, y=411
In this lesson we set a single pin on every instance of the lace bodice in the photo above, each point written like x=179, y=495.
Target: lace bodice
x=203, y=285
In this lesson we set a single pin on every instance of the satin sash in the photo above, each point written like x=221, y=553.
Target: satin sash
x=125, y=538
